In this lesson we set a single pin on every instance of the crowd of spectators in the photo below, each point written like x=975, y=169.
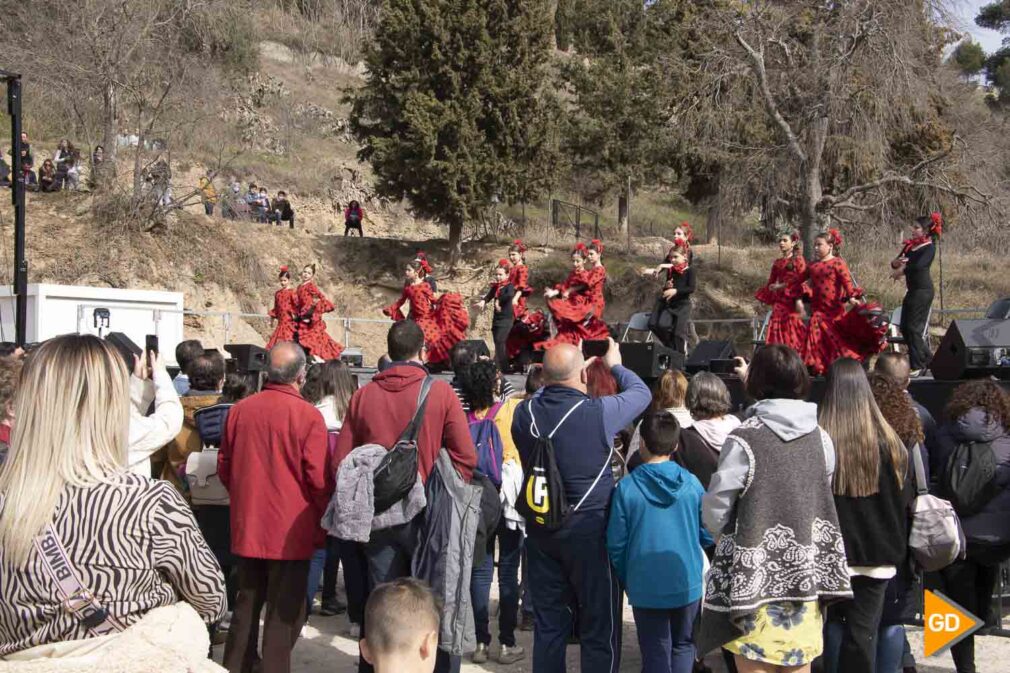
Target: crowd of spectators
x=258, y=498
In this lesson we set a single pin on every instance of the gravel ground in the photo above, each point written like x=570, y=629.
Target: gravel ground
x=325, y=649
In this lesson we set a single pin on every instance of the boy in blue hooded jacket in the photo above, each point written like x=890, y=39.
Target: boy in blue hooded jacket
x=655, y=539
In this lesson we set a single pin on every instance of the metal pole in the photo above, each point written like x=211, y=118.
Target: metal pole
x=939, y=249
x=18, y=198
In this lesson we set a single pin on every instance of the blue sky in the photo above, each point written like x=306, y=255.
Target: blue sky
x=989, y=39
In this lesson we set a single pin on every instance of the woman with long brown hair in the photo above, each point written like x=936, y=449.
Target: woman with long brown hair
x=872, y=491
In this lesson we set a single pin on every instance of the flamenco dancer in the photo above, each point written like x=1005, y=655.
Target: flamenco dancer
x=913, y=263
x=282, y=315
x=501, y=296
x=528, y=327
x=311, y=305
x=832, y=332
x=444, y=321
x=784, y=292
x=426, y=269
x=597, y=277
x=671, y=317
x=573, y=306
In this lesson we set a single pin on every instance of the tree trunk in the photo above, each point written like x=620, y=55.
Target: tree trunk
x=623, y=208
x=455, y=242
x=110, y=113
x=812, y=191
x=713, y=218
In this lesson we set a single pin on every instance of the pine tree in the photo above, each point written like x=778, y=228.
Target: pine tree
x=454, y=114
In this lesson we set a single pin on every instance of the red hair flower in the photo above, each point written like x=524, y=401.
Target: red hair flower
x=596, y=245
x=835, y=238
x=936, y=228
x=579, y=248
x=794, y=237
x=504, y=263
x=284, y=268
x=519, y=246
x=422, y=259
x=688, y=231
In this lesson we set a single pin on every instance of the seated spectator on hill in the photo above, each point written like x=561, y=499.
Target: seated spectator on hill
x=72, y=180
x=353, y=217
x=149, y=433
x=206, y=376
x=185, y=353
x=252, y=197
x=281, y=210
x=5, y=172
x=28, y=176
x=63, y=159
x=263, y=206
x=233, y=205
x=10, y=369
x=47, y=177
x=26, y=150
x=403, y=619
x=462, y=355
x=97, y=165
x=709, y=401
x=208, y=195
x=131, y=542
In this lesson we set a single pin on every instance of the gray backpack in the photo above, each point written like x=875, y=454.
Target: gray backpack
x=935, y=539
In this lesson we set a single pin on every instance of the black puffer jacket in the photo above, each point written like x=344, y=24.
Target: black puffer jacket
x=991, y=526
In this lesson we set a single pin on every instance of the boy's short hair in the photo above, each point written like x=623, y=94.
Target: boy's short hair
x=660, y=432
x=398, y=613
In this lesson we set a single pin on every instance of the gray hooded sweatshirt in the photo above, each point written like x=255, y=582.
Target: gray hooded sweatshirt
x=788, y=419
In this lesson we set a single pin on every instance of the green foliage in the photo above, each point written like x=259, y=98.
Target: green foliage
x=624, y=85
x=969, y=58
x=454, y=113
x=995, y=16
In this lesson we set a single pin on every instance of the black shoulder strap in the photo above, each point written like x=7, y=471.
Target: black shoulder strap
x=409, y=433
x=921, y=487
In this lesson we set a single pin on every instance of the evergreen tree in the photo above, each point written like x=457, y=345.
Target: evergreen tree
x=454, y=114
x=969, y=58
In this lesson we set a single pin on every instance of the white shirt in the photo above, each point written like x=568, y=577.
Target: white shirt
x=329, y=413
x=150, y=433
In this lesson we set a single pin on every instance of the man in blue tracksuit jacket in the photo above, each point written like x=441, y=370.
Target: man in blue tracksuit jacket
x=571, y=566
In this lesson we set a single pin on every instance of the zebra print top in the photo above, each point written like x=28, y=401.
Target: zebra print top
x=135, y=545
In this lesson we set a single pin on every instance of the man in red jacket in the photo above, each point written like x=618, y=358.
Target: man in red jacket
x=378, y=414
x=273, y=461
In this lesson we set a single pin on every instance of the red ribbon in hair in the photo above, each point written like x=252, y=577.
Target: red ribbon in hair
x=688, y=231
x=596, y=245
x=284, y=268
x=504, y=263
x=936, y=228
x=422, y=259
x=835, y=238
x=579, y=248
x=794, y=237
x=519, y=245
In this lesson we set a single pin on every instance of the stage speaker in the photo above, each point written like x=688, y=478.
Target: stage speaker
x=124, y=344
x=478, y=346
x=247, y=357
x=973, y=348
x=700, y=359
x=999, y=310
x=650, y=359
x=352, y=357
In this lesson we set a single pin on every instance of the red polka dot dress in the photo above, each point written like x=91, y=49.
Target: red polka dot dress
x=444, y=321
x=312, y=335
x=284, y=310
x=785, y=325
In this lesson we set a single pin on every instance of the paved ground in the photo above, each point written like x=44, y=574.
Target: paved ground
x=325, y=649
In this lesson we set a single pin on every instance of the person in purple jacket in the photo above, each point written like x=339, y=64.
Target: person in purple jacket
x=570, y=566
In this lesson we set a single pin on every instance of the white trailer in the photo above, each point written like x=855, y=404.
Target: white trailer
x=66, y=309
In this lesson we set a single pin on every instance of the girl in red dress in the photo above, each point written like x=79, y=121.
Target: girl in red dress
x=530, y=327
x=832, y=332
x=784, y=292
x=570, y=302
x=444, y=321
x=312, y=304
x=597, y=276
x=282, y=315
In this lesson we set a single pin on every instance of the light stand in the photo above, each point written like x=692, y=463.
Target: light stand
x=13, y=81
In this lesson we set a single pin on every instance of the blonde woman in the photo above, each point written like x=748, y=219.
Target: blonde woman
x=126, y=540
x=872, y=492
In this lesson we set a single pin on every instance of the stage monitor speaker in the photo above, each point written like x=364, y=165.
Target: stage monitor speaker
x=999, y=310
x=124, y=344
x=973, y=348
x=478, y=346
x=700, y=359
x=247, y=357
x=650, y=359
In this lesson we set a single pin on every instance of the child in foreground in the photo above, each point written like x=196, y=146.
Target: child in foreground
x=655, y=541
x=401, y=628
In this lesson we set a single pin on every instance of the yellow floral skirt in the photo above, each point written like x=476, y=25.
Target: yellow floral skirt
x=783, y=634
